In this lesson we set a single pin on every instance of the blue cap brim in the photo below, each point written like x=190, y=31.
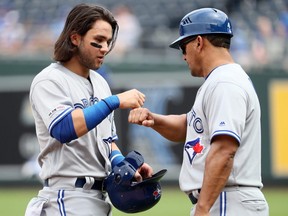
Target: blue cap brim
x=175, y=44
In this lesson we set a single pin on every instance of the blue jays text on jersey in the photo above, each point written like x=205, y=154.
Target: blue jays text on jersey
x=194, y=147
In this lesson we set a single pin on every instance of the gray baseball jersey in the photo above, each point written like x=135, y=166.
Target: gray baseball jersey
x=54, y=93
x=227, y=104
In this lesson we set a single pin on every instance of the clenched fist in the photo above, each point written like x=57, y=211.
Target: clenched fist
x=131, y=99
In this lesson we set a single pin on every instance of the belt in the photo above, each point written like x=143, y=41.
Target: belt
x=80, y=182
x=193, y=199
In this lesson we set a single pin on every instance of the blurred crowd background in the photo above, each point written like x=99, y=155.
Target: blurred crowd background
x=29, y=28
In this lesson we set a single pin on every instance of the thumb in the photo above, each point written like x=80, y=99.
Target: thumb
x=148, y=123
x=137, y=176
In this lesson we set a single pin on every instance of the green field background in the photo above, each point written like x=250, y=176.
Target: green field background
x=13, y=202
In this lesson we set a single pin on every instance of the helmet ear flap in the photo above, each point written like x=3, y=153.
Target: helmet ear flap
x=127, y=195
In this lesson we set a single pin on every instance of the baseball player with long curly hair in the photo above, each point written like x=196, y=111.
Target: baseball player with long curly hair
x=221, y=169
x=73, y=110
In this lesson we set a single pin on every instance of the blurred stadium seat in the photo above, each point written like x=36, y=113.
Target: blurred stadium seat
x=43, y=21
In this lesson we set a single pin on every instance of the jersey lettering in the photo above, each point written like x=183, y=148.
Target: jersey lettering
x=196, y=122
x=85, y=103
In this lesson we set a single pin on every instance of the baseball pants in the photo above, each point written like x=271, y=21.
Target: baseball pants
x=63, y=198
x=239, y=201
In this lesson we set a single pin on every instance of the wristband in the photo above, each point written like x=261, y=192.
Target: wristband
x=115, y=157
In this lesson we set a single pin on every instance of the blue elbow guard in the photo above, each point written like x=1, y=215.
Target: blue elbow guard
x=64, y=131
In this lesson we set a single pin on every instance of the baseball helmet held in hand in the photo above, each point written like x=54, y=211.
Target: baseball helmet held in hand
x=202, y=22
x=125, y=193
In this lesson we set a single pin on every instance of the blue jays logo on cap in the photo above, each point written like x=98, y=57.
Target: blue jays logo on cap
x=192, y=148
x=157, y=193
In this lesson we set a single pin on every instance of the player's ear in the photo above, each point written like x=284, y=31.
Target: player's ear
x=75, y=39
x=199, y=42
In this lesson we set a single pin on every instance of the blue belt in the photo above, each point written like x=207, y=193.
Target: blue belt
x=193, y=199
x=80, y=182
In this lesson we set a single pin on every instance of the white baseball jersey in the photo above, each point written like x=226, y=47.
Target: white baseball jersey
x=227, y=104
x=54, y=93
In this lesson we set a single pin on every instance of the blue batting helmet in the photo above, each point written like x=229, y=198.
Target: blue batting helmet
x=201, y=22
x=125, y=193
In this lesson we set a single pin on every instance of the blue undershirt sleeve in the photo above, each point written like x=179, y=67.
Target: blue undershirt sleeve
x=64, y=130
x=99, y=111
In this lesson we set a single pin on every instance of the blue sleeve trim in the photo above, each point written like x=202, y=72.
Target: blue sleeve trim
x=115, y=158
x=227, y=132
x=64, y=130
x=98, y=112
x=59, y=118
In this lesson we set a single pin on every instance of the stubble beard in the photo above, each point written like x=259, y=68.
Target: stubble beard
x=85, y=59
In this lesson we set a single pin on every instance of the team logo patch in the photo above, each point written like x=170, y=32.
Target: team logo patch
x=60, y=107
x=157, y=193
x=192, y=148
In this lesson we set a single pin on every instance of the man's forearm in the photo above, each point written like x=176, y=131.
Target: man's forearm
x=172, y=127
x=215, y=178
